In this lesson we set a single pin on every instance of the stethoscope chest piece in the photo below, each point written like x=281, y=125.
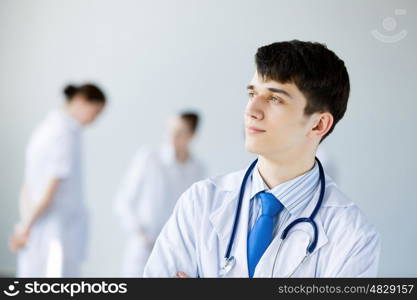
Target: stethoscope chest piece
x=229, y=263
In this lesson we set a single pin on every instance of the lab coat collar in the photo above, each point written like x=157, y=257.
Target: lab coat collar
x=222, y=220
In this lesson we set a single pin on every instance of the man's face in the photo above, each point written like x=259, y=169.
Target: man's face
x=274, y=118
x=180, y=133
x=86, y=111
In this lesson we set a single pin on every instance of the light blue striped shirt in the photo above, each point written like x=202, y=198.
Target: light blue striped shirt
x=294, y=194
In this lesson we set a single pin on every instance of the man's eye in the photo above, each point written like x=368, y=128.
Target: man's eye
x=276, y=100
x=251, y=94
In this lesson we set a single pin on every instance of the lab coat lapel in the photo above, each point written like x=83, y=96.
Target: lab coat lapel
x=222, y=220
x=293, y=249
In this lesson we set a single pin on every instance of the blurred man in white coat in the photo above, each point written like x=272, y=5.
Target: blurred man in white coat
x=155, y=180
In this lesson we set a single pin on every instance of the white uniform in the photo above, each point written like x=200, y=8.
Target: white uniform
x=147, y=196
x=57, y=242
x=195, y=238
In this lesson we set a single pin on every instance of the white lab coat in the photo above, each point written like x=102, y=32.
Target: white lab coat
x=195, y=238
x=57, y=242
x=147, y=196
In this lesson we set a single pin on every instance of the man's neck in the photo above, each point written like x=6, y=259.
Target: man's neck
x=69, y=111
x=275, y=171
x=181, y=155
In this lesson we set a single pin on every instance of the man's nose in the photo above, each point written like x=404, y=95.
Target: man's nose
x=254, y=108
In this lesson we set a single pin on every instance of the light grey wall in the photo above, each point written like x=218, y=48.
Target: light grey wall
x=155, y=57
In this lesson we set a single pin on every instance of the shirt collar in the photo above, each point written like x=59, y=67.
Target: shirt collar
x=294, y=194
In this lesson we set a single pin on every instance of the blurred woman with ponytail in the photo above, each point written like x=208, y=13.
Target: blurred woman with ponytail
x=51, y=237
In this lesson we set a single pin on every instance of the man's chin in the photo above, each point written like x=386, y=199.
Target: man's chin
x=252, y=148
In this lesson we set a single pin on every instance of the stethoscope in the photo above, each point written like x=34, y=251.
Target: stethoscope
x=230, y=261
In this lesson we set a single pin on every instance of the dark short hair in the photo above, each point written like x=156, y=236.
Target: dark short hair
x=316, y=71
x=191, y=118
x=89, y=91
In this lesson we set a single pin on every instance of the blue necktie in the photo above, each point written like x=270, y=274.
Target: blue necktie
x=261, y=234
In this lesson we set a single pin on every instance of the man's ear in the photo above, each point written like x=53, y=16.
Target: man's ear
x=322, y=125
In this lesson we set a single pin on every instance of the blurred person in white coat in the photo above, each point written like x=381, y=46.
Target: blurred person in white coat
x=51, y=237
x=155, y=179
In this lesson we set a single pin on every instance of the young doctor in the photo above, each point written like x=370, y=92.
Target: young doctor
x=51, y=237
x=283, y=217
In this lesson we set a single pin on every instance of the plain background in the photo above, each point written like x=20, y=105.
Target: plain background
x=155, y=57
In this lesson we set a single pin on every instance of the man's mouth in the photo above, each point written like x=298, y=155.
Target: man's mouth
x=255, y=130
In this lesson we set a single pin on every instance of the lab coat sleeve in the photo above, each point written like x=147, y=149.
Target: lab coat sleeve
x=363, y=258
x=128, y=194
x=175, y=247
x=357, y=251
